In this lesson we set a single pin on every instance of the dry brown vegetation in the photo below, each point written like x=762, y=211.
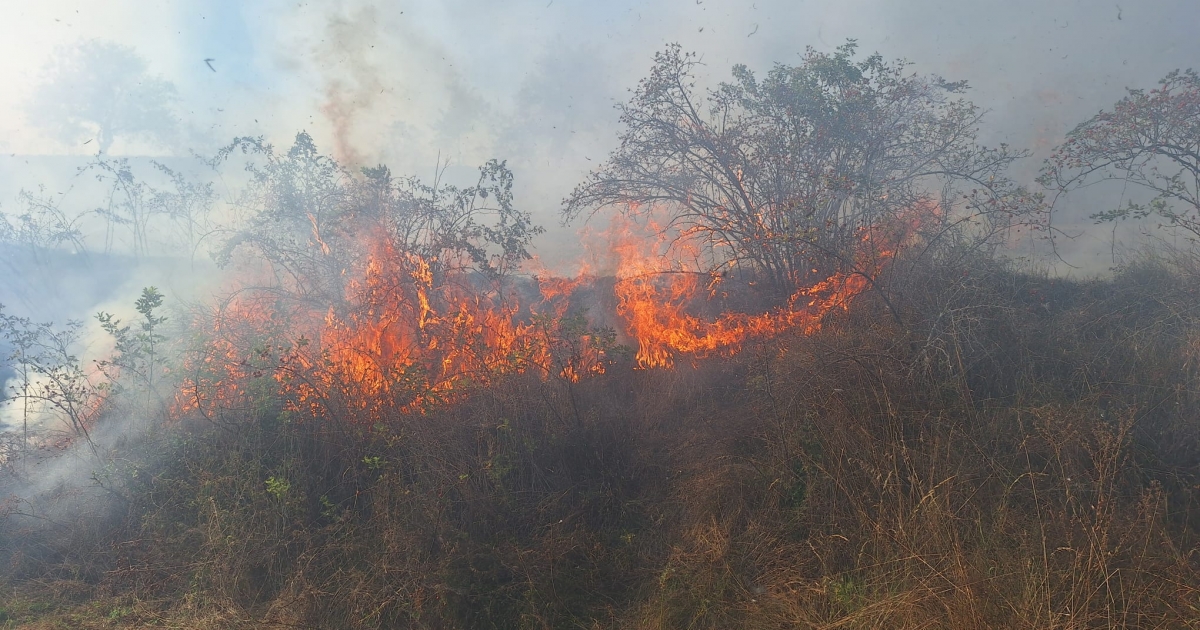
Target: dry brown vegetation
x=1016, y=451
x=384, y=426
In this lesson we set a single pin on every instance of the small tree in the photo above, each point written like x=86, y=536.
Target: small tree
x=311, y=220
x=188, y=203
x=400, y=284
x=130, y=203
x=44, y=224
x=126, y=205
x=139, y=353
x=103, y=90
x=146, y=207
x=781, y=177
x=51, y=378
x=1150, y=140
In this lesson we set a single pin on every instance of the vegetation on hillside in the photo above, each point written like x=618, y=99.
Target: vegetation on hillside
x=385, y=425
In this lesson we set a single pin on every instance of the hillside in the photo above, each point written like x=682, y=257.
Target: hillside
x=800, y=369
x=1016, y=451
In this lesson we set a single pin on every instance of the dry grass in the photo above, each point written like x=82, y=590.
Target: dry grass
x=1020, y=452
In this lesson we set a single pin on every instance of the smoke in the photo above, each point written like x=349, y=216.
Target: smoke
x=533, y=82
x=352, y=79
x=441, y=87
x=61, y=474
x=420, y=86
x=436, y=89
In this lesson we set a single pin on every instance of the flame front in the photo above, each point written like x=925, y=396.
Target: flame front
x=401, y=340
x=657, y=293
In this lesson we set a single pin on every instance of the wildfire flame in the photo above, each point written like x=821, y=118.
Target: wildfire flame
x=655, y=295
x=398, y=339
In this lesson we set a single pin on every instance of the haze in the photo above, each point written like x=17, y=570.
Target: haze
x=409, y=84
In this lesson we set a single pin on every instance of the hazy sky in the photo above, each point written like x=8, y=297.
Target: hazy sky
x=535, y=82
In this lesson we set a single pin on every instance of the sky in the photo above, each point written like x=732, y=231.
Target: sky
x=418, y=84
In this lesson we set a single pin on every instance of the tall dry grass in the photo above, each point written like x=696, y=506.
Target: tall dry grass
x=1015, y=451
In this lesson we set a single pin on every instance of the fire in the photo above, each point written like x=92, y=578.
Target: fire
x=396, y=340
x=656, y=294
x=400, y=339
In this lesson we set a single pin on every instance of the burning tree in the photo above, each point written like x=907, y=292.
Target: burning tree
x=311, y=220
x=783, y=178
x=370, y=292
x=1150, y=140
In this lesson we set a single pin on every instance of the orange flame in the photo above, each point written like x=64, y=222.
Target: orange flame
x=401, y=340
x=655, y=295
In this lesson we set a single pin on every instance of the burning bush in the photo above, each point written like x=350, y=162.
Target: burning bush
x=406, y=432
x=783, y=177
x=379, y=294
